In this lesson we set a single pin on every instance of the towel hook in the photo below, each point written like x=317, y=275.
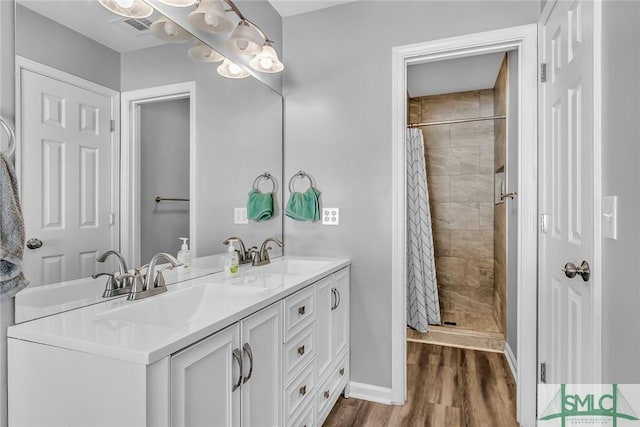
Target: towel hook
x=268, y=177
x=12, y=137
x=299, y=174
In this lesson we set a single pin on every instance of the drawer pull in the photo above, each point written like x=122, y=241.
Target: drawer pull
x=303, y=390
x=301, y=310
x=342, y=371
x=301, y=350
x=326, y=394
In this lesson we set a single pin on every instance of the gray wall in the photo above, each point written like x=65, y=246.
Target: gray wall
x=620, y=176
x=238, y=137
x=338, y=128
x=43, y=40
x=164, y=171
x=512, y=205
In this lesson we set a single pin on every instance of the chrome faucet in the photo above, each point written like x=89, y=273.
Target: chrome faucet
x=244, y=255
x=261, y=257
x=117, y=284
x=152, y=282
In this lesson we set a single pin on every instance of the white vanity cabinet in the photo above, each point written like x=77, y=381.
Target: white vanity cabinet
x=232, y=378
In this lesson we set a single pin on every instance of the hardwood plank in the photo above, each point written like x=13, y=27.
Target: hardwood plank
x=446, y=386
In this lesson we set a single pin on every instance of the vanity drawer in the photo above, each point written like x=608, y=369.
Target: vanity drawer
x=298, y=351
x=304, y=417
x=300, y=391
x=299, y=311
x=329, y=391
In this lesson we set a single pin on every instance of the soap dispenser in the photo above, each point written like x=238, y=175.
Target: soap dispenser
x=184, y=256
x=231, y=262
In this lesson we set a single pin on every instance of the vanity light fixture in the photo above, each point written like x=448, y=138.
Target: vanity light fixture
x=128, y=8
x=245, y=40
x=203, y=53
x=231, y=71
x=167, y=30
x=211, y=17
x=178, y=3
x=267, y=61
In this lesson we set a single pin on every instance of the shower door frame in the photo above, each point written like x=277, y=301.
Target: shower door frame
x=524, y=40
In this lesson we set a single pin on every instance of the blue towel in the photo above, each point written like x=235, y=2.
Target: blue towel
x=12, y=279
x=304, y=206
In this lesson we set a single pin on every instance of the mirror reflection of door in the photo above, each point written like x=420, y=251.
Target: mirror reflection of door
x=164, y=173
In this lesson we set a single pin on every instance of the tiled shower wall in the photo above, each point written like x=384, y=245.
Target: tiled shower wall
x=460, y=166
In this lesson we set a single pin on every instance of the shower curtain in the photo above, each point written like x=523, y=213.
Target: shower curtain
x=423, y=306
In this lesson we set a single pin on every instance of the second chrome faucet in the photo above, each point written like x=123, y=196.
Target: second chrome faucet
x=253, y=255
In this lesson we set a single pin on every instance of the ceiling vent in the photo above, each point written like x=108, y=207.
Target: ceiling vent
x=140, y=24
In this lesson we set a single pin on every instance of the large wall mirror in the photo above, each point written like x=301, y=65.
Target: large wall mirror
x=129, y=142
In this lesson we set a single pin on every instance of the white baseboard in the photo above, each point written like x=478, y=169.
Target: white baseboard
x=372, y=393
x=511, y=360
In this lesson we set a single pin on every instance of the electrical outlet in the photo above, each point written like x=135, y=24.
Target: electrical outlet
x=240, y=216
x=330, y=216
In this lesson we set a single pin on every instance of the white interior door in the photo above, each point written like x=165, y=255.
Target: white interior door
x=67, y=178
x=567, y=320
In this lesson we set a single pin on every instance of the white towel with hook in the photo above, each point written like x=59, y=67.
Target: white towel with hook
x=12, y=279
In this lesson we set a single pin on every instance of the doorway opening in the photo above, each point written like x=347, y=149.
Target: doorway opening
x=523, y=41
x=158, y=190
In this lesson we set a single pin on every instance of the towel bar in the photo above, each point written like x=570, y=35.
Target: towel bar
x=170, y=199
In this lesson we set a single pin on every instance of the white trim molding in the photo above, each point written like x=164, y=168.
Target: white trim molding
x=372, y=393
x=130, y=185
x=511, y=360
x=523, y=39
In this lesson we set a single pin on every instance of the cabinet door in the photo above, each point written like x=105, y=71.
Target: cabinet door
x=324, y=346
x=340, y=313
x=203, y=379
x=262, y=354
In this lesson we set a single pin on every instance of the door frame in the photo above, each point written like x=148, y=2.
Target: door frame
x=23, y=63
x=524, y=39
x=131, y=102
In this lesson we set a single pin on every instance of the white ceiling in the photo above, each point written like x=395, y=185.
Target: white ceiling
x=455, y=75
x=296, y=7
x=89, y=18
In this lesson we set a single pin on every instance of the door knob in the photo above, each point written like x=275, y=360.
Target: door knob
x=34, y=243
x=571, y=271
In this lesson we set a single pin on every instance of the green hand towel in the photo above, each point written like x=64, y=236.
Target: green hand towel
x=259, y=206
x=304, y=206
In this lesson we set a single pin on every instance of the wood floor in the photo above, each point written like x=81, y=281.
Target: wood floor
x=447, y=386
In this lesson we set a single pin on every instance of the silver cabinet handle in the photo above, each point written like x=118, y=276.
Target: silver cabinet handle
x=303, y=390
x=339, y=298
x=247, y=349
x=34, y=243
x=301, y=350
x=301, y=310
x=571, y=271
x=237, y=356
x=335, y=299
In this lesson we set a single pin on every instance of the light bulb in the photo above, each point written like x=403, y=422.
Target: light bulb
x=266, y=63
x=234, y=69
x=125, y=4
x=213, y=20
x=242, y=44
x=170, y=28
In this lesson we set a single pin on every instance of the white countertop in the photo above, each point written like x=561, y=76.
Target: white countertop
x=147, y=330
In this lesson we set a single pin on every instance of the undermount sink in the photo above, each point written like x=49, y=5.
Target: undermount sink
x=182, y=306
x=294, y=266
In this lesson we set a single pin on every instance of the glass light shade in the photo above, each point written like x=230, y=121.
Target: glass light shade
x=137, y=8
x=179, y=3
x=167, y=30
x=211, y=17
x=267, y=61
x=245, y=40
x=231, y=71
x=202, y=52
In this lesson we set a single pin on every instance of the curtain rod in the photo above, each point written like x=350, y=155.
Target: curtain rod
x=447, y=122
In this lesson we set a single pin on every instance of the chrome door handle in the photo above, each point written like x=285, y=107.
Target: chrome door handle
x=238, y=358
x=247, y=348
x=34, y=243
x=571, y=271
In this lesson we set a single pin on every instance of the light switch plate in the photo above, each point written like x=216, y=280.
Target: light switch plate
x=240, y=216
x=610, y=217
x=330, y=216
